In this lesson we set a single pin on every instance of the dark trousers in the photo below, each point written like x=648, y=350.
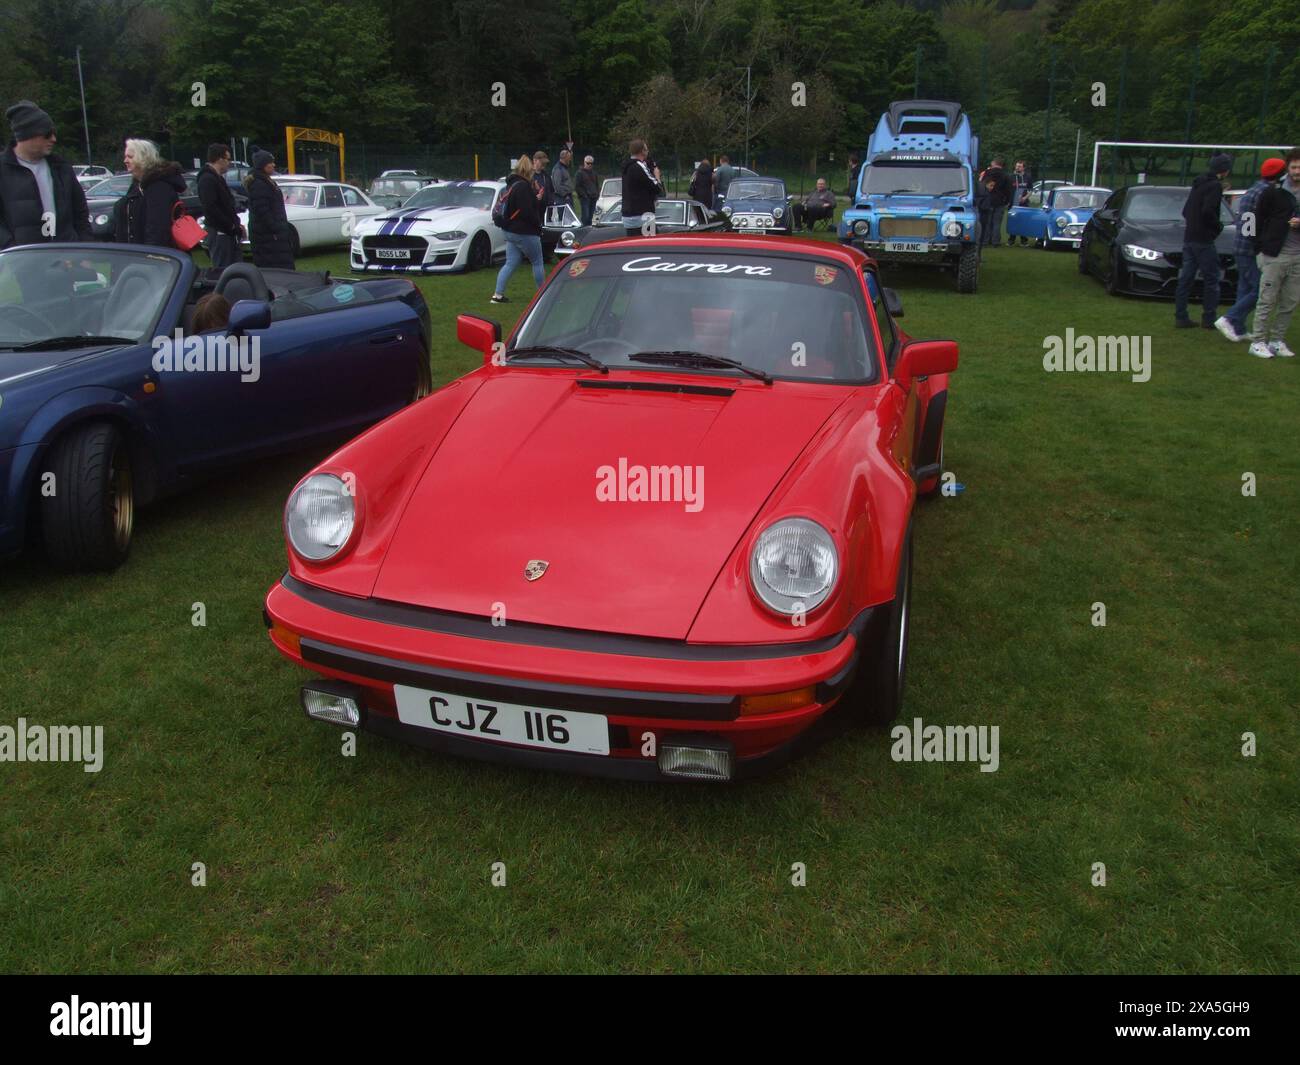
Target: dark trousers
x=802, y=215
x=588, y=209
x=223, y=249
x=1202, y=259
x=1247, y=292
x=991, y=230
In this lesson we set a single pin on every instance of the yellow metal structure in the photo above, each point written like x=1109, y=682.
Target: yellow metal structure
x=293, y=134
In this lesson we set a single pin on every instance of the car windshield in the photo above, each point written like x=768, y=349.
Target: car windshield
x=611, y=187
x=114, y=186
x=751, y=189
x=1163, y=204
x=50, y=292
x=671, y=212
x=399, y=187
x=299, y=195
x=453, y=196
x=1078, y=199
x=882, y=179
x=791, y=317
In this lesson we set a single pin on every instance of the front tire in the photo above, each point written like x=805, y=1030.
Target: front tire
x=968, y=269
x=1083, y=255
x=89, y=518
x=1114, y=279
x=876, y=694
x=295, y=244
x=480, y=252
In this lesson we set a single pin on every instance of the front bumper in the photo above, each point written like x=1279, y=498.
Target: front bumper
x=1161, y=280
x=669, y=688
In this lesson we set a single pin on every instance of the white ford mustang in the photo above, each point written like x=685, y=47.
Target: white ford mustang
x=440, y=229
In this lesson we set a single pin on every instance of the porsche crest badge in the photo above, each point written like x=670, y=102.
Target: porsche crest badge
x=576, y=269
x=535, y=568
x=824, y=274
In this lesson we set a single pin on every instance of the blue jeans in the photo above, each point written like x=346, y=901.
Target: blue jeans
x=521, y=246
x=1247, y=292
x=1202, y=258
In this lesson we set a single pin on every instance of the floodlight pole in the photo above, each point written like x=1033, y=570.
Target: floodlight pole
x=85, y=122
x=748, y=101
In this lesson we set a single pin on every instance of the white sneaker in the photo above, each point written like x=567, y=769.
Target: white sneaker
x=1279, y=348
x=1261, y=349
x=1225, y=327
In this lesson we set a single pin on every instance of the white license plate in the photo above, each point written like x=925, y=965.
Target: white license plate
x=906, y=245
x=392, y=253
x=498, y=722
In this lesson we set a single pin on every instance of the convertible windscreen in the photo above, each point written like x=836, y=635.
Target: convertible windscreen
x=453, y=196
x=47, y=294
x=789, y=317
x=884, y=180
x=755, y=190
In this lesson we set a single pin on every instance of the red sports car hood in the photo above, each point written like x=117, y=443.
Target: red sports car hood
x=564, y=469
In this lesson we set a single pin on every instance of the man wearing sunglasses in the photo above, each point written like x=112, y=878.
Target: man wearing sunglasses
x=40, y=199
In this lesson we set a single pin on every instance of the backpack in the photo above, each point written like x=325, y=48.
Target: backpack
x=499, y=207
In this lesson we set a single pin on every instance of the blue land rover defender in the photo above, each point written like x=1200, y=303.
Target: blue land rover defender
x=915, y=199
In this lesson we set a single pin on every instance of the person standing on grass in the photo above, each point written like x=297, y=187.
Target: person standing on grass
x=522, y=221
x=588, y=183
x=542, y=180
x=855, y=169
x=40, y=197
x=220, y=216
x=268, y=221
x=562, y=179
x=641, y=187
x=145, y=214
x=701, y=186
x=1277, y=236
x=1232, y=323
x=1000, y=193
x=722, y=180
x=1203, y=226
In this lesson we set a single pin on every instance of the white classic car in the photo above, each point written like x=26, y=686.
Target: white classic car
x=443, y=228
x=89, y=176
x=322, y=214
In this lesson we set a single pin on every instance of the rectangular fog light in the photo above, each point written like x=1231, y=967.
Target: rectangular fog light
x=331, y=706
x=695, y=763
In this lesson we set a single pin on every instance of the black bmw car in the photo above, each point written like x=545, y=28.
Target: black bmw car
x=1134, y=243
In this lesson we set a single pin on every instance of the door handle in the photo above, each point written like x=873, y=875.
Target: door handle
x=387, y=338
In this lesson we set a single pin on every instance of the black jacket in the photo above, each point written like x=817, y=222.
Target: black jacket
x=701, y=187
x=523, y=210
x=21, y=208
x=220, y=215
x=144, y=215
x=268, y=223
x=1201, y=211
x=588, y=183
x=640, y=189
x=1004, y=191
x=1273, y=211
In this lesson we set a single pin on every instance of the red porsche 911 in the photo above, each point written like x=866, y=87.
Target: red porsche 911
x=658, y=534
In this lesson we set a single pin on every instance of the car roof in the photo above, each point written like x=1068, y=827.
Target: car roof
x=1082, y=188
x=300, y=177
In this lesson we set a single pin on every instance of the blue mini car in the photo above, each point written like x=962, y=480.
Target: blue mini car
x=758, y=205
x=1056, y=218
x=111, y=397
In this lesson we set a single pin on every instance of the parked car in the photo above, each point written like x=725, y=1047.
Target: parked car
x=611, y=190
x=394, y=191
x=1134, y=243
x=671, y=216
x=758, y=204
x=91, y=408
x=443, y=228
x=321, y=214
x=89, y=176
x=1056, y=219
x=526, y=569
x=101, y=199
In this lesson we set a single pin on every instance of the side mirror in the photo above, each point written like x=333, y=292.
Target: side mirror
x=481, y=334
x=692, y=223
x=923, y=358
x=893, y=304
x=247, y=315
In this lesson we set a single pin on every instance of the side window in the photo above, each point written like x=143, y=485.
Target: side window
x=1116, y=201
x=888, y=334
x=333, y=196
x=352, y=198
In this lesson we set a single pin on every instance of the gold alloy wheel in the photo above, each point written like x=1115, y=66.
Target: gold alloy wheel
x=122, y=496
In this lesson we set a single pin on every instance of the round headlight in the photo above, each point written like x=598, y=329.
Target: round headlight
x=320, y=517
x=778, y=212
x=727, y=211
x=793, y=566
x=1060, y=222
x=862, y=227
x=567, y=238
x=101, y=219
x=952, y=228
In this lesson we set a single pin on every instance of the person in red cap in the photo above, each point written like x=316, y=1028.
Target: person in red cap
x=1277, y=236
x=1232, y=323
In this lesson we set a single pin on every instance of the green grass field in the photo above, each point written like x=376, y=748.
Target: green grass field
x=1120, y=745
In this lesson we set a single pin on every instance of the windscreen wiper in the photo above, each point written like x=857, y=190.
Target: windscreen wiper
x=549, y=351
x=57, y=343
x=698, y=358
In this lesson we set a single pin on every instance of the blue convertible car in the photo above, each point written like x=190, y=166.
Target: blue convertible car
x=109, y=397
x=1055, y=217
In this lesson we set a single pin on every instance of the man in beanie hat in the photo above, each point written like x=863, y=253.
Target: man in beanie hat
x=40, y=199
x=1232, y=323
x=1201, y=212
x=1277, y=236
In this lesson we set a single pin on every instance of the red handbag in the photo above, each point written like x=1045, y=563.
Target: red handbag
x=187, y=234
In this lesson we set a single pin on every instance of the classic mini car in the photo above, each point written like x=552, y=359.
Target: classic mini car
x=108, y=398
x=671, y=216
x=443, y=228
x=395, y=190
x=1058, y=220
x=1134, y=243
x=758, y=204
x=658, y=535
x=322, y=214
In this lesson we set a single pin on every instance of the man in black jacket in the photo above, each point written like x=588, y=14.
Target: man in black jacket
x=220, y=216
x=1000, y=195
x=1277, y=236
x=1201, y=213
x=40, y=199
x=641, y=188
